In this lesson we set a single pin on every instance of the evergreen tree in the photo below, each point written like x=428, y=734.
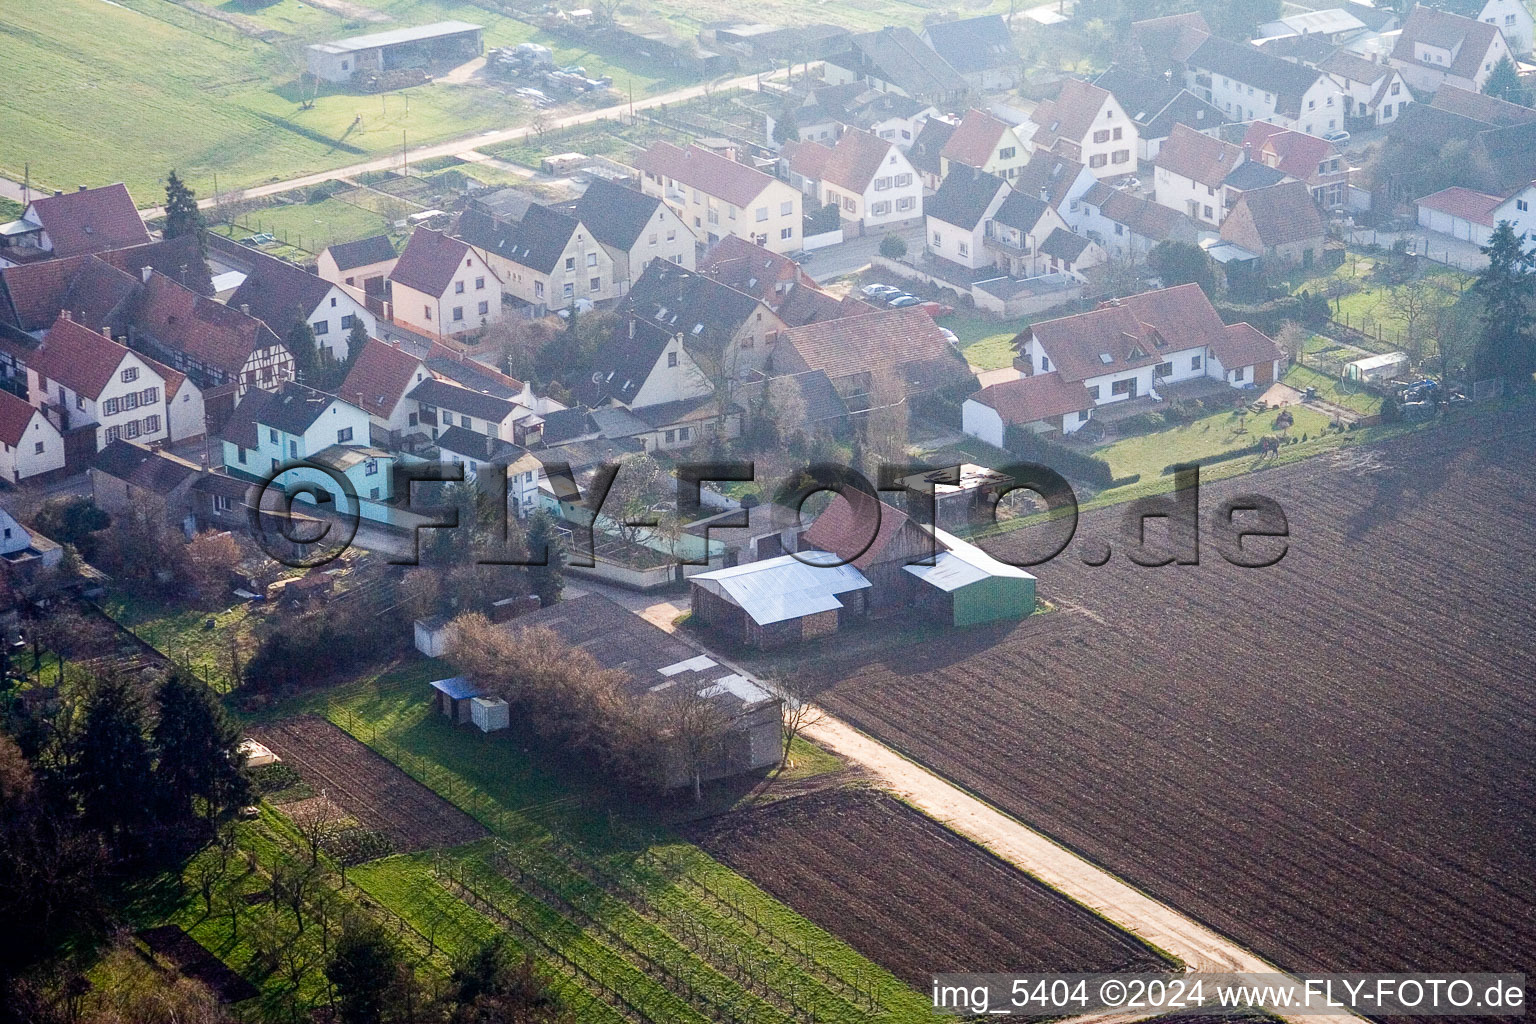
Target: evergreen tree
x=1507, y=340
x=1177, y=263
x=547, y=580
x=198, y=749
x=182, y=217
x=112, y=774
x=1504, y=83
x=357, y=338
x=364, y=968
x=786, y=128
x=304, y=349
x=893, y=246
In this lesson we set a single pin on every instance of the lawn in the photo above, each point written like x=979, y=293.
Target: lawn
x=185, y=636
x=986, y=341
x=313, y=226
x=1220, y=432
x=197, y=94
x=605, y=886
x=1332, y=389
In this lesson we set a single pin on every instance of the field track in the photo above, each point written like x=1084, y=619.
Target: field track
x=1328, y=760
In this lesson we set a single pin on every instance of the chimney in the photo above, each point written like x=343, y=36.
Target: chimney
x=58, y=191
x=64, y=314
x=1045, y=194
x=631, y=328
x=79, y=188
x=144, y=273
x=245, y=307
x=106, y=332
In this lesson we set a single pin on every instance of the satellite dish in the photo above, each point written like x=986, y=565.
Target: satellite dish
x=597, y=378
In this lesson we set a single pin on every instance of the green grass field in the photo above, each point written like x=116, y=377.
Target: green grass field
x=986, y=342
x=1220, y=432
x=136, y=88
x=1331, y=389
x=580, y=880
x=313, y=226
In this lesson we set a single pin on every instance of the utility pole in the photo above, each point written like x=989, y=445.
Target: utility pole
x=405, y=157
x=26, y=185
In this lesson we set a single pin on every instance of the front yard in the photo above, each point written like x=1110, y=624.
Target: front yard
x=986, y=341
x=1213, y=435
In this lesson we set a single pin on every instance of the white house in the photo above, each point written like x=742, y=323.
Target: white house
x=1127, y=226
x=1472, y=216
x=378, y=382
x=957, y=216
x=361, y=265
x=20, y=545
x=984, y=142
x=441, y=286
x=635, y=229
x=1248, y=84
x=1127, y=348
x=29, y=443
x=547, y=260
x=282, y=296
x=1088, y=124
x=72, y=224
x=980, y=48
x=79, y=377
x=1437, y=47
x=1191, y=172
x=1513, y=19
x=442, y=404
x=1373, y=90
x=869, y=179
x=1039, y=403
x=716, y=196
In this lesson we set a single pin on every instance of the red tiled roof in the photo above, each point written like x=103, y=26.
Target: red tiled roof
x=1071, y=115
x=32, y=294
x=1154, y=324
x=15, y=415
x=974, y=139
x=1202, y=159
x=807, y=159
x=904, y=340
x=1031, y=399
x=207, y=331
x=77, y=357
x=1244, y=345
x=856, y=159
x=708, y=172
x=1295, y=153
x=379, y=378
x=751, y=269
x=844, y=529
x=90, y=220
x=1280, y=214
x=1464, y=204
x=429, y=261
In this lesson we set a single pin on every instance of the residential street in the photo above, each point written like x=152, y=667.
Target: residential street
x=846, y=257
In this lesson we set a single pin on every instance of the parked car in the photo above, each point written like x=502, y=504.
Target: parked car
x=936, y=309
x=264, y=238
x=903, y=301
x=950, y=336
x=876, y=291
x=1338, y=136
x=801, y=257
x=1132, y=182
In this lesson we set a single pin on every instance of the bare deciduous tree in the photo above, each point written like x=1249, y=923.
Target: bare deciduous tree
x=797, y=713
x=695, y=727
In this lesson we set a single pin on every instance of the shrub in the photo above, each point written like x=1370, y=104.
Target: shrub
x=893, y=247
x=1073, y=465
x=1141, y=423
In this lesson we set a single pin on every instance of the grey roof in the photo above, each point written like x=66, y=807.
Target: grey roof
x=666, y=413
x=704, y=311
x=279, y=294
x=620, y=367
x=1021, y=211
x=396, y=36
x=1157, y=103
x=583, y=455
x=475, y=445
x=507, y=204
x=536, y=241
x=568, y=424
x=361, y=253
x=929, y=143
x=1511, y=156
x=1252, y=66
x=1251, y=174
x=782, y=588
x=973, y=44
x=963, y=197
x=291, y=410
x=470, y=374
x=615, y=214
x=1064, y=245
x=898, y=56
x=157, y=472
x=444, y=395
x=616, y=423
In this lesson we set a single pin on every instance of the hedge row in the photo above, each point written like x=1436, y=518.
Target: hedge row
x=1073, y=465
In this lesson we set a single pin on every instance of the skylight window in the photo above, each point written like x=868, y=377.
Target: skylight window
x=1106, y=358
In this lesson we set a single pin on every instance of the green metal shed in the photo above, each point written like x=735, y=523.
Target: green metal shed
x=978, y=587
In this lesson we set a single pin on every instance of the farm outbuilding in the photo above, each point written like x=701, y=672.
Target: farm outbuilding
x=418, y=46
x=490, y=713
x=975, y=587
x=780, y=600
x=454, y=698
x=1382, y=367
